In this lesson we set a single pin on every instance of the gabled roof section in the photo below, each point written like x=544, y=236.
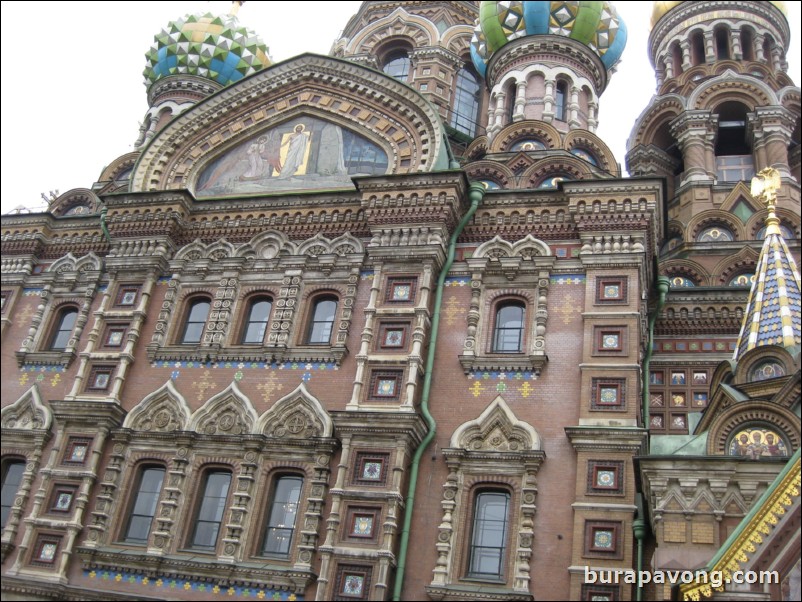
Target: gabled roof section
x=352, y=99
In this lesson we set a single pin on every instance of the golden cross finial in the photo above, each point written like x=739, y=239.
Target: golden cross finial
x=764, y=188
x=235, y=6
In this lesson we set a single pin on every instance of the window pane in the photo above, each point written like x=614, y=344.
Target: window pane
x=283, y=513
x=489, y=534
x=11, y=481
x=322, y=322
x=196, y=320
x=256, y=327
x=466, y=103
x=398, y=66
x=508, y=337
x=210, y=512
x=65, y=325
x=144, y=508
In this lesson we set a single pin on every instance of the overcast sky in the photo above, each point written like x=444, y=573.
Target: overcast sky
x=73, y=97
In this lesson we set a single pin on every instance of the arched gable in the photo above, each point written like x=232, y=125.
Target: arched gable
x=314, y=101
x=297, y=415
x=29, y=412
x=163, y=411
x=229, y=412
x=496, y=429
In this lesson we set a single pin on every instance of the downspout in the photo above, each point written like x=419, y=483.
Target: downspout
x=476, y=194
x=103, y=212
x=639, y=524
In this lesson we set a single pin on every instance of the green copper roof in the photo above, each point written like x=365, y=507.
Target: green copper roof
x=213, y=47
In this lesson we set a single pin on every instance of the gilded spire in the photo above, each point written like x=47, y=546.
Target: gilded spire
x=774, y=311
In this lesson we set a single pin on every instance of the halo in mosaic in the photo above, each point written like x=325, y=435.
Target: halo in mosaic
x=594, y=23
x=215, y=48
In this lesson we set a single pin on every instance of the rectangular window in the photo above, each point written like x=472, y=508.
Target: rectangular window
x=401, y=290
x=62, y=498
x=353, y=582
x=605, y=477
x=608, y=394
x=371, y=468
x=210, y=511
x=385, y=385
x=143, y=509
x=127, y=295
x=76, y=451
x=603, y=539
x=12, y=477
x=489, y=535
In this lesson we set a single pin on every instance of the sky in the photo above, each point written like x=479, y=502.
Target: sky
x=73, y=97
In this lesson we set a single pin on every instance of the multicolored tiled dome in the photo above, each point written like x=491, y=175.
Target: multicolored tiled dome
x=215, y=48
x=594, y=23
x=661, y=7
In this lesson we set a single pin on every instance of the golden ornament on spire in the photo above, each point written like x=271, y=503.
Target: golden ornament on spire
x=764, y=188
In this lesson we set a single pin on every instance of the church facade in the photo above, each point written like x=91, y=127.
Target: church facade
x=392, y=324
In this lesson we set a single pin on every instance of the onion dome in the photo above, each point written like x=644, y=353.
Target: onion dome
x=593, y=23
x=661, y=7
x=203, y=45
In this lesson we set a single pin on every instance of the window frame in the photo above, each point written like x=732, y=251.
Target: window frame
x=58, y=327
x=316, y=302
x=501, y=576
x=200, y=498
x=189, y=306
x=247, y=321
x=498, y=307
x=269, y=518
x=136, y=492
x=458, y=120
x=6, y=467
x=394, y=55
x=561, y=100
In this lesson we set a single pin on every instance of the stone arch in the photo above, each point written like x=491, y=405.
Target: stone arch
x=731, y=266
x=787, y=218
x=77, y=197
x=298, y=415
x=267, y=245
x=731, y=87
x=29, y=412
x=229, y=412
x=477, y=149
x=590, y=141
x=666, y=109
x=490, y=170
x=570, y=165
x=712, y=217
x=419, y=30
x=743, y=414
x=524, y=129
x=69, y=263
x=687, y=268
x=752, y=358
x=527, y=247
x=163, y=411
x=496, y=429
x=117, y=167
x=457, y=39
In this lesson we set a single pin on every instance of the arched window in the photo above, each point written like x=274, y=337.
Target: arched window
x=143, y=508
x=282, y=515
x=397, y=65
x=676, y=59
x=715, y=234
x=766, y=370
x=196, y=321
x=508, y=334
x=322, y=322
x=255, y=327
x=489, y=534
x=748, y=44
x=757, y=441
x=63, y=328
x=722, y=43
x=697, y=48
x=465, y=111
x=211, y=507
x=12, y=477
x=734, y=160
x=560, y=95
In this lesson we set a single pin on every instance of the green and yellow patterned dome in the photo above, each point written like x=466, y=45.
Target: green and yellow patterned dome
x=215, y=48
x=661, y=7
x=593, y=23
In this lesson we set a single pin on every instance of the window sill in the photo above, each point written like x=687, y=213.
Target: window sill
x=467, y=591
x=504, y=362
x=322, y=354
x=45, y=358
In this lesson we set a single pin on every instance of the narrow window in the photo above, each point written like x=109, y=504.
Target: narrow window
x=559, y=107
x=508, y=336
x=210, y=510
x=465, y=113
x=255, y=327
x=64, y=326
x=12, y=477
x=322, y=322
x=196, y=320
x=144, y=507
x=283, y=511
x=489, y=538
